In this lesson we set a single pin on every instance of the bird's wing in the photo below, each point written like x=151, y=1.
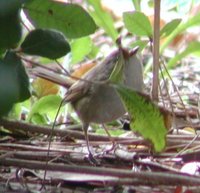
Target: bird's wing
x=76, y=91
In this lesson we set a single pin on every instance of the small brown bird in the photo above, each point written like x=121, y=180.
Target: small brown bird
x=94, y=100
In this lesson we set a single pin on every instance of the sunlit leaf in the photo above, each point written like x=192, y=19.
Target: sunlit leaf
x=71, y=19
x=82, y=69
x=141, y=44
x=102, y=18
x=117, y=74
x=44, y=87
x=39, y=119
x=169, y=27
x=193, y=47
x=45, y=106
x=181, y=6
x=80, y=48
x=20, y=110
x=192, y=21
x=138, y=23
x=146, y=118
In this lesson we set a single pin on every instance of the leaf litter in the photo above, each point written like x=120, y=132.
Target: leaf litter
x=126, y=168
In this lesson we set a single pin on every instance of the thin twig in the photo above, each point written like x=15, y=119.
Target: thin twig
x=156, y=47
x=50, y=139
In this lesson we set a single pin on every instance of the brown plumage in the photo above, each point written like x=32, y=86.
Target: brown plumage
x=94, y=100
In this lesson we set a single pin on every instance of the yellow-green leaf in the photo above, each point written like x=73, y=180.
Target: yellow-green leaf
x=103, y=18
x=117, y=73
x=169, y=27
x=138, y=23
x=146, y=118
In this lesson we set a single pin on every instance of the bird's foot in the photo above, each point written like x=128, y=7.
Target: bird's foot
x=112, y=148
x=90, y=157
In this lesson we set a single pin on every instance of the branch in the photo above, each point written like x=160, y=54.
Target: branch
x=118, y=176
x=67, y=131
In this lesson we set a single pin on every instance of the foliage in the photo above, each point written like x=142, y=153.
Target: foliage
x=14, y=82
x=103, y=19
x=44, y=41
x=191, y=22
x=117, y=76
x=10, y=31
x=80, y=48
x=57, y=29
x=41, y=111
x=71, y=19
x=169, y=28
x=192, y=47
x=44, y=87
x=146, y=118
x=138, y=24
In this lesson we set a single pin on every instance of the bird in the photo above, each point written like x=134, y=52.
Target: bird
x=94, y=99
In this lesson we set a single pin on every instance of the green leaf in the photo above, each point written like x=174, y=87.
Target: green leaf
x=169, y=27
x=193, y=47
x=137, y=4
x=69, y=18
x=180, y=6
x=13, y=82
x=102, y=18
x=117, y=73
x=80, y=48
x=20, y=110
x=18, y=70
x=45, y=106
x=193, y=21
x=2, y=52
x=146, y=118
x=39, y=119
x=10, y=30
x=46, y=43
x=138, y=23
x=139, y=43
x=94, y=51
x=8, y=89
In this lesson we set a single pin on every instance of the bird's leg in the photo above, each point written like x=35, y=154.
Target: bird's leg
x=90, y=155
x=85, y=129
x=110, y=138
